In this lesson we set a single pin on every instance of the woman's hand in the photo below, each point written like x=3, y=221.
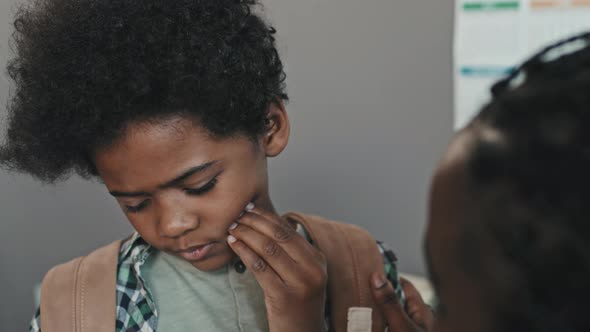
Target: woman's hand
x=419, y=316
x=291, y=272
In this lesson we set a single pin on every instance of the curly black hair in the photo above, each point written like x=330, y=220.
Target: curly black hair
x=530, y=171
x=84, y=69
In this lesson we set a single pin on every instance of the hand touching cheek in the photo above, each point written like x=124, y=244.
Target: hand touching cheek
x=291, y=272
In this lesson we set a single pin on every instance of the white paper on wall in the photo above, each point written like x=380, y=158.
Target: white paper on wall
x=493, y=36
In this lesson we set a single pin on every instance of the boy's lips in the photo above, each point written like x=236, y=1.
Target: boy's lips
x=196, y=253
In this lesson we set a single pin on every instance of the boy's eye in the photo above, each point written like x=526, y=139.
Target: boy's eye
x=203, y=189
x=138, y=207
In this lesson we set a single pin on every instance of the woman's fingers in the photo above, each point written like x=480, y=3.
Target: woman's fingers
x=390, y=306
x=419, y=312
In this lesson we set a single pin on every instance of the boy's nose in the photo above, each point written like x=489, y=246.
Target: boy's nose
x=176, y=224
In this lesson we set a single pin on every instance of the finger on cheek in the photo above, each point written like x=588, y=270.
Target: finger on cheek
x=241, y=232
x=264, y=215
x=234, y=244
x=254, y=262
x=280, y=232
x=262, y=220
x=250, y=220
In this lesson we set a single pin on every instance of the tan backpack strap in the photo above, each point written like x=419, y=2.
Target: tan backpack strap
x=80, y=296
x=352, y=256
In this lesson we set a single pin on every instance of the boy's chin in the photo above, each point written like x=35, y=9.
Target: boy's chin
x=215, y=262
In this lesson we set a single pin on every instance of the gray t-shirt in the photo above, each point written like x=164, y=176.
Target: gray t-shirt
x=188, y=299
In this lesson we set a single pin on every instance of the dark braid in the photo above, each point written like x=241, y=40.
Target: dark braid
x=563, y=66
x=532, y=186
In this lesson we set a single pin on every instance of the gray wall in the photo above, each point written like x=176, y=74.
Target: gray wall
x=370, y=83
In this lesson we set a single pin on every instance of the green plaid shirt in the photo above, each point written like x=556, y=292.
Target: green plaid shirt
x=136, y=310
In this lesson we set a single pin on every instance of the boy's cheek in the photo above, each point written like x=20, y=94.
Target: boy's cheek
x=148, y=232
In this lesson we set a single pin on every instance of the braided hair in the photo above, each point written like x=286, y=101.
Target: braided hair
x=531, y=178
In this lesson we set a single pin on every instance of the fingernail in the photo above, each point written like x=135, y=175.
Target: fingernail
x=233, y=226
x=231, y=239
x=250, y=206
x=379, y=281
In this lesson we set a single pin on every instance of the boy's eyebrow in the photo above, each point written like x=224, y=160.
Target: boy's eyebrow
x=186, y=174
x=129, y=194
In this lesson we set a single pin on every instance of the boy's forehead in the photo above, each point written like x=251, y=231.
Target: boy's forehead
x=172, y=126
x=144, y=135
x=156, y=147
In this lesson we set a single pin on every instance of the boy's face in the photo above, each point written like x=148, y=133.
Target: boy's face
x=181, y=189
x=462, y=299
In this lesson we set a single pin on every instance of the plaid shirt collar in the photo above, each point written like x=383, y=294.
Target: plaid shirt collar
x=134, y=248
x=136, y=309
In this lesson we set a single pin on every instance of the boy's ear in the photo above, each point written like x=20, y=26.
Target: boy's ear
x=277, y=130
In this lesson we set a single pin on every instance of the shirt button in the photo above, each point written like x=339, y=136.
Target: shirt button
x=240, y=267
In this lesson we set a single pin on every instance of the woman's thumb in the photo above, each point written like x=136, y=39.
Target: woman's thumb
x=390, y=305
